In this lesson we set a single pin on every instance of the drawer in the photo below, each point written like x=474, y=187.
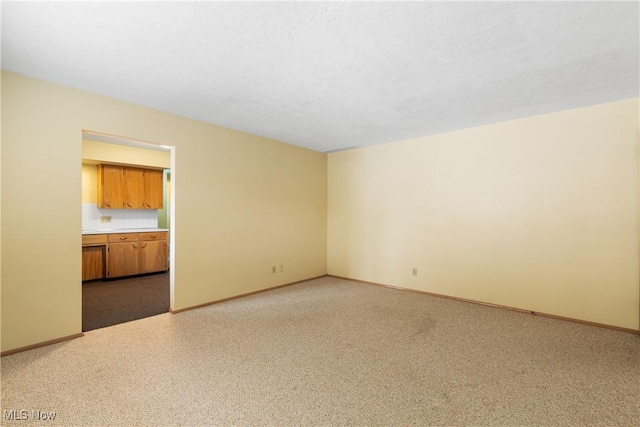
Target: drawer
x=161, y=235
x=123, y=237
x=94, y=239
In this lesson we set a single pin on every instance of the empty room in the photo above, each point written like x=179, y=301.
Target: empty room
x=348, y=213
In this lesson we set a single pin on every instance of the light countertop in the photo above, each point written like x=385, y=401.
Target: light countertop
x=124, y=230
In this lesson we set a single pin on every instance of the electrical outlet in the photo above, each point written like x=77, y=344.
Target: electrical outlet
x=415, y=271
x=273, y=269
x=281, y=268
x=106, y=218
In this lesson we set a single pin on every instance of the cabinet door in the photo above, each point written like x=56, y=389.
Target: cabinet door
x=122, y=259
x=153, y=193
x=92, y=262
x=94, y=239
x=159, y=235
x=135, y=188
x=153, y=256
x=111, y=187
x=123, y=237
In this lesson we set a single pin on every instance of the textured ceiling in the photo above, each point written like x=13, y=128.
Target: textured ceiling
x=331, y=75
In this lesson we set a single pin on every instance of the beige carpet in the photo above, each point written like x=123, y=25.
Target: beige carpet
x=333, y=352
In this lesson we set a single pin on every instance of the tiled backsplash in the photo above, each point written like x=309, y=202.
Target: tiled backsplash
x=120, y=218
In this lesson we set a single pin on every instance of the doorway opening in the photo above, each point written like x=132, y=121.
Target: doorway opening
x=128, y=205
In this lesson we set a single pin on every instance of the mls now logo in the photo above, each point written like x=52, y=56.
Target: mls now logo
x=43, y=416
x=15, y=415
x=22, y=415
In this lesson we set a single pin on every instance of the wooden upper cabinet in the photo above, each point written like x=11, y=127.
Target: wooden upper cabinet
x=153, y=191
x=111, y=187
x=122, y=187
x=135, y=188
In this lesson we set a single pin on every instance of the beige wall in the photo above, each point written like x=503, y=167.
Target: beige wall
x=242, y=204
x=164, y=217
x=113, y=153
x=89, y=183
x=539, y=213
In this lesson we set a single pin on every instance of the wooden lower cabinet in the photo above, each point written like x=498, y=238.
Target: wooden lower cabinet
x=94, y=248
x=93, y=262
x=153, y=256
x=136, y=253
x=123, y=254
x=122, y=259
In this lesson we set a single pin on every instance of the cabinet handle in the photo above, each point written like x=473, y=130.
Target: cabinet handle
x=153, y=237
x=123, y=238
x=134, y=246
x=128, y=204
x=107, y=204
x=144, y=246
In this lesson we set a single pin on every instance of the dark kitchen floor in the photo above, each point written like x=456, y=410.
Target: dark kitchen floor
x=110, y=302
